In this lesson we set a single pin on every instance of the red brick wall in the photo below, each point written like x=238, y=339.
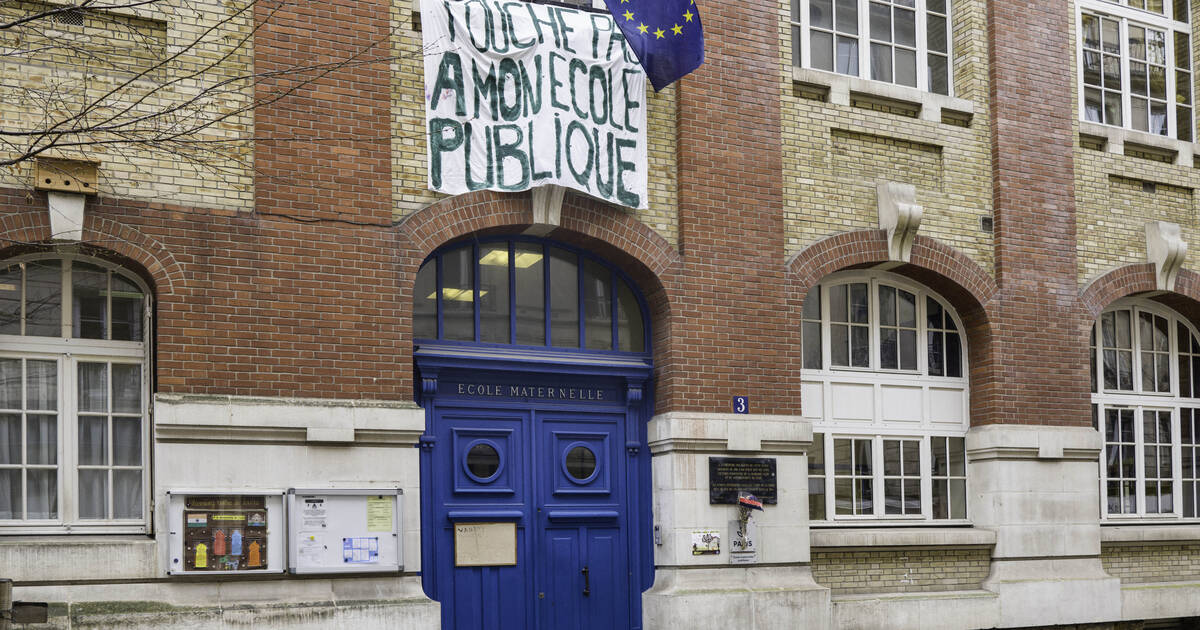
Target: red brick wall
x=1039, y=358
x=731, y=332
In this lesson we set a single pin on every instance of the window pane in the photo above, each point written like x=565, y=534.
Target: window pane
x=933, y=313
x=127, y=299
x=908, y=349
x=597, y=305
x=862, y=457
x=847, y=16
x=888, y=349
x=458, y=297
x=425, y=302
x=41, y=385
x=864, y=501
x=859, y=346
x=1112, y=108
x=816, y=478
x=935, y=31
x=127, y=388
x=564, y=298
x=843, y=496
x=891, y=458
x=892, y=496
x=936, y=349
x=939, y=75
x=93, y=440
x=906, y=27
x=127, y=494
x=41, y=440
x=812, y=304
x=881, y=62
x=93, y=387
x=127, y=441
x=821, y=50
x=1091, y=32
x=93, y=494
x=938, y=457
x=941, y=498
x=631, y=330
x=887, y=306
x=847, y=55
x=837, y=303
x=89, y=300
x=530, y=294
x=953, y=355
x=958, y=456
x=43, y=298
x=1093, y=105
x=881, y=22
x=858, y=303
x=1122, y=328
x=493, y=293
x=10, y=439
x=811, y=344
x=958, y=498
x=10, y=302
x=42, y=491
x=1110, y=36
x=1125, y=370
x=839, y=343
x=820, y=13
x=11, y=495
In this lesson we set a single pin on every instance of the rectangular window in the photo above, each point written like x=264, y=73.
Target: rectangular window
x=1189, y=459
x=849, y=328
x=898, y=479
x=1136, y=68
x=810, y=328
x=853, y=477
x=902, y=477
x=1156, y=461
x=897, y=329
x=948, y=468
x=1120, y=449
x=816, y=479
x=905, y=42
x=1117, y=346
x=29, y=445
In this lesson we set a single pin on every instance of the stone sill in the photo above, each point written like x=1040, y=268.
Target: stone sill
x=840, y=89
x=906, y=537
x=922, y=595
x=1149, y=533
x=1116, y=140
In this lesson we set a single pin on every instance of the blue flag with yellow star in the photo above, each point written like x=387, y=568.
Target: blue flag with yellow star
x=665, y=35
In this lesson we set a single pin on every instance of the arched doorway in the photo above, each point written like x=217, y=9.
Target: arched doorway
x=534, y=362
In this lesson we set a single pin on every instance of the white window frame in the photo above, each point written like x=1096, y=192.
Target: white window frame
x=801, y=22
x=1144, y=18
x=68, y=353
x=1139, y=401
x=820, y=384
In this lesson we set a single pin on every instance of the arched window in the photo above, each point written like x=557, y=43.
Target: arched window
x=74, y=390
x=1145, y=361
x=527, y=292
x=884, y=384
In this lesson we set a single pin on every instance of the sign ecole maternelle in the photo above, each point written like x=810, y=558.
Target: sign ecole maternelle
x=519, y=95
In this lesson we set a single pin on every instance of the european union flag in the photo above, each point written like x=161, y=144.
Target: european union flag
x=665, y=35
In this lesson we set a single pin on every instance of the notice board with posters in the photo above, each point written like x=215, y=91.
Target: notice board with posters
x=221, y=532
x=341, y=530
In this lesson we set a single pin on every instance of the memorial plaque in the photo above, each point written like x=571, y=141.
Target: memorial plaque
x=729, y=475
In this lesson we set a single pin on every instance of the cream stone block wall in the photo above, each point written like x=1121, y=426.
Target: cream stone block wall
x=835, y=152
x=161, y=54
x=410, y=190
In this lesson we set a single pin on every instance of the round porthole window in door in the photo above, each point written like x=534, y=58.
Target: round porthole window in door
x=579, y=462
x=483, y=461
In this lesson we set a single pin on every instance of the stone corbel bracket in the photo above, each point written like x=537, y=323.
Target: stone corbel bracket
x=900, y=215
x=1166, y=250
x=547, y=202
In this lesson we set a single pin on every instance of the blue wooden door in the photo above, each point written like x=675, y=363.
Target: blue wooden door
x=560, y=477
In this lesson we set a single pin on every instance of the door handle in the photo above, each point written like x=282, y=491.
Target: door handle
x=587, y=585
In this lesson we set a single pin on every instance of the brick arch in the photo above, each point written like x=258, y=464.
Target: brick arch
x=1117, y=283
x=851, y=249
x=608, y=231
x=31, y=227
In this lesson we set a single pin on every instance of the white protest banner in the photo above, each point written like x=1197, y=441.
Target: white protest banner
x=519, y=95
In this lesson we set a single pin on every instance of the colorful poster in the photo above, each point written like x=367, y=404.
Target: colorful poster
x=230, y=534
